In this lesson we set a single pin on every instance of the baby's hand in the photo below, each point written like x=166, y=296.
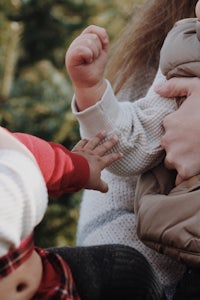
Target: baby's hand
x=86, y=57
x=95, y=151
x=86, y=60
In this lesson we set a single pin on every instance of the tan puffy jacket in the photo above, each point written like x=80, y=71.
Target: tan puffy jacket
x=168, y=217
x=180, y=54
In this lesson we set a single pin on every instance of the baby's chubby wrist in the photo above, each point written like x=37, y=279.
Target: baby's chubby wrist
x=86, y=97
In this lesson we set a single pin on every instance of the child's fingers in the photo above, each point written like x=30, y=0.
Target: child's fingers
x=93, y=42
x=90, y=144
x=108, y=159
x=84, y=55
x=78, y=55
x=84, y=49
x=106, y=146
x=100, y=32
x=99, y=147
x=94, y=142
x=102, y=187
x=80, y=145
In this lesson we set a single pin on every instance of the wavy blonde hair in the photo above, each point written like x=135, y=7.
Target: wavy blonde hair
x=139, y=45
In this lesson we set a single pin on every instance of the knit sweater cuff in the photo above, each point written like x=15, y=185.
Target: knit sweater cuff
x=100, y=115
x=78, y=179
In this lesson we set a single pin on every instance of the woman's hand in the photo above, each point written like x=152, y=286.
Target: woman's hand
x=182, y=128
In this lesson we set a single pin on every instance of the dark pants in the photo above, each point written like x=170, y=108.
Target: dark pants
x=109, y=272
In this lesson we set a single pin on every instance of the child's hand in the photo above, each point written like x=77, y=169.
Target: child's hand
x=95, y=151
x=86, y=60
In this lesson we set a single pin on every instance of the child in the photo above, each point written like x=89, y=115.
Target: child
x=29, y=272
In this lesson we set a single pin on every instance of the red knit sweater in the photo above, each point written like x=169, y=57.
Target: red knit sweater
x=63, y=171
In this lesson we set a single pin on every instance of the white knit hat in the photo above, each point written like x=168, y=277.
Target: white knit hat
x=23, y=194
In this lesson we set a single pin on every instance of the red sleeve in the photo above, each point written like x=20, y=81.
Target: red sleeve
x=63, y=171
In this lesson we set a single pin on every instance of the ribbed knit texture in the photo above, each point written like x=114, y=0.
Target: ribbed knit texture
x=109, y=218
x=111, y=272
x=23, y=198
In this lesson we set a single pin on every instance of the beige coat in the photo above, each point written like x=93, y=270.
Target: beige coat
x=168, y=217
x=180, y=54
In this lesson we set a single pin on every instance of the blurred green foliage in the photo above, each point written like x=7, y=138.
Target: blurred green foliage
x=35, y=91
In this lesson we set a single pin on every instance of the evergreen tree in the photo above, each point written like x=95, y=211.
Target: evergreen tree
x=48, y=26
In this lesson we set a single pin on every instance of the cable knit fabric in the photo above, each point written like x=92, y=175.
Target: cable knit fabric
x=109, y=218
x=25, y=198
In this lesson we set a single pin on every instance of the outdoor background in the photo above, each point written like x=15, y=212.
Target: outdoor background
x=35, y=91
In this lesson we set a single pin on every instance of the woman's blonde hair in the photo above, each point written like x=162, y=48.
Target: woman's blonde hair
x=139, y=45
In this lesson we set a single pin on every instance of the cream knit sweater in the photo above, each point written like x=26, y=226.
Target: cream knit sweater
x=109, y=218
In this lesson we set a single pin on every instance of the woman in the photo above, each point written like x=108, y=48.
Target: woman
x=110, y=218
